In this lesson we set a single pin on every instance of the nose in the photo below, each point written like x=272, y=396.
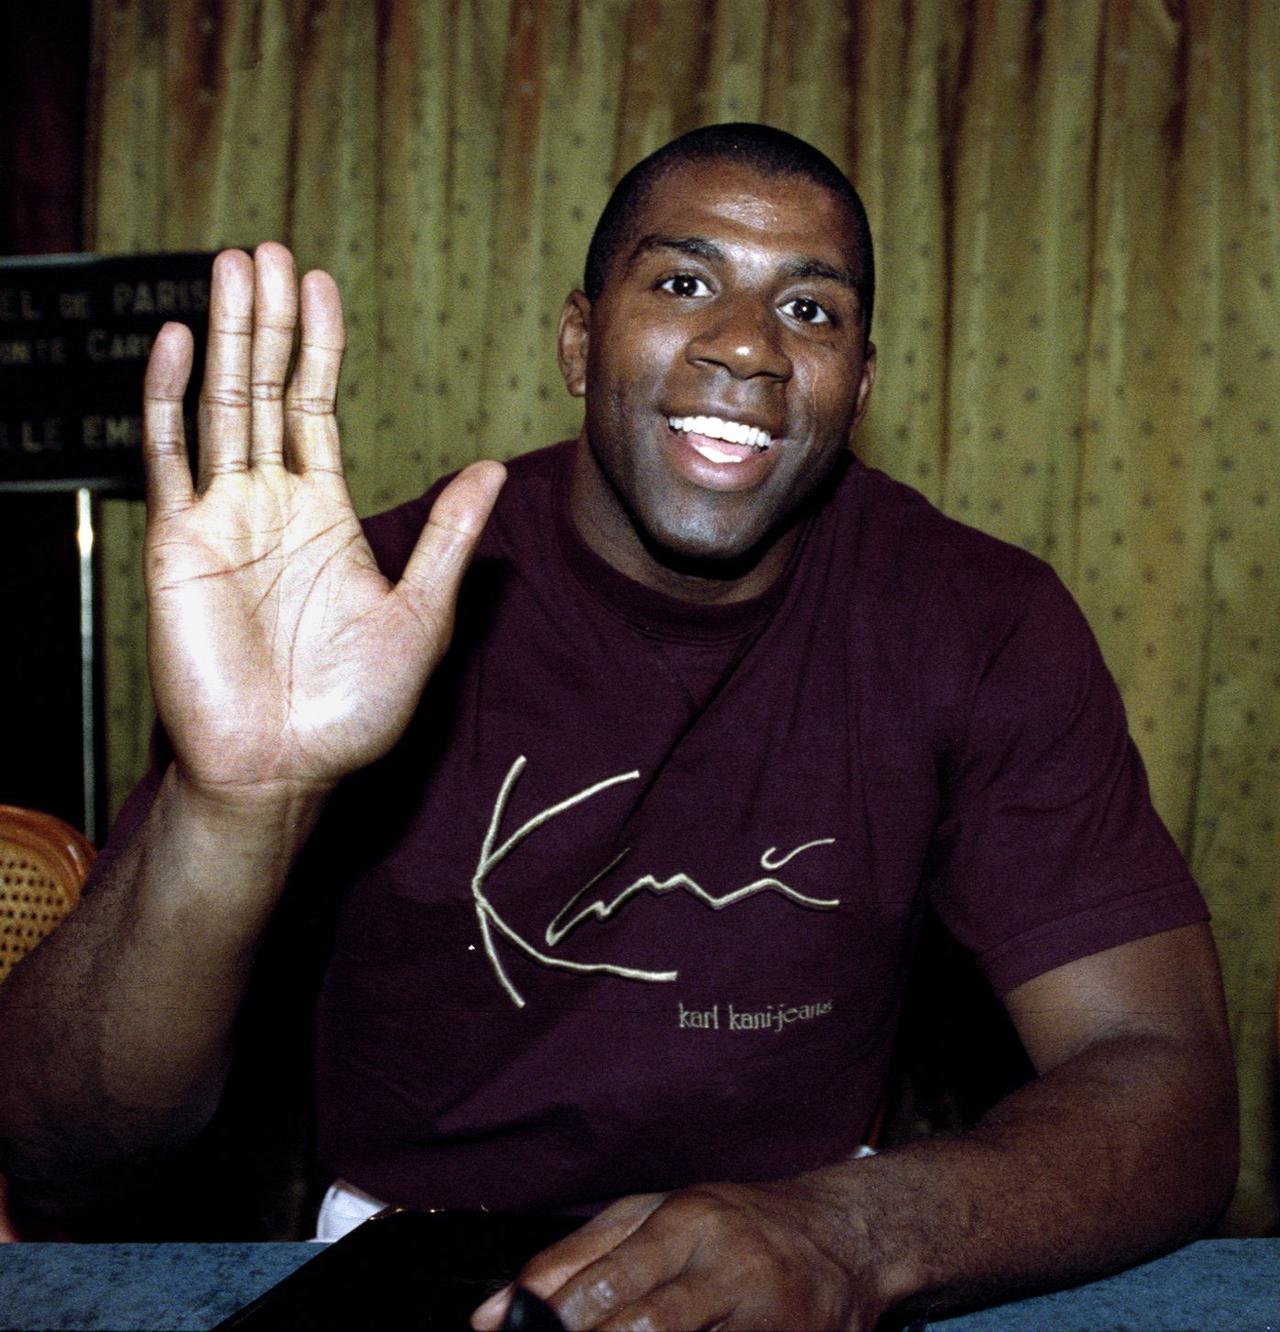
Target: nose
x=744, y=337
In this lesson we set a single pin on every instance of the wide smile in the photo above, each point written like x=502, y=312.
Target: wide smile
x=719, y=440
x=717, y=453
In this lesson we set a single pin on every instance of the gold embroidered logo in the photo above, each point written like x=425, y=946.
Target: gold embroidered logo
x=576, y=912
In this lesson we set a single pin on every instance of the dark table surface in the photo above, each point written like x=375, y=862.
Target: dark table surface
x=1233, y=1285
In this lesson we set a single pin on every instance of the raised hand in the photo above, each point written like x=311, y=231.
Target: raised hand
x=281, y=659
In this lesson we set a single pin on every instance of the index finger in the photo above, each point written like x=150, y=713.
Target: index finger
x=164, y=439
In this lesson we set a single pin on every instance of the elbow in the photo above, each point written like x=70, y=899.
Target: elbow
x=53, y=1176
x=1225, y=1153
x=40, y=1186
x=1212, y=1141
x=47, y=1193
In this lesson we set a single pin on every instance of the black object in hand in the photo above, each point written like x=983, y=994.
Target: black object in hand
x=404, y=1271
x=527, y=1313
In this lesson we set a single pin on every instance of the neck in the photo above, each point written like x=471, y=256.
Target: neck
x=612, y=534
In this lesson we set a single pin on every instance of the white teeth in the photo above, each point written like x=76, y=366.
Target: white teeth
x=733, y=432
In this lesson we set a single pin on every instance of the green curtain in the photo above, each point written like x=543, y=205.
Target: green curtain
x=1076, y=204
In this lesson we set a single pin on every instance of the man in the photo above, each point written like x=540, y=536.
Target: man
x=628, y=895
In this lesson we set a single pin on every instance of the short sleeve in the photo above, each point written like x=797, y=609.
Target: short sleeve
x=1049, y=848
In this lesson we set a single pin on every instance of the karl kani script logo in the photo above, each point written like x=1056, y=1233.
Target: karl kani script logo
x=575, y=913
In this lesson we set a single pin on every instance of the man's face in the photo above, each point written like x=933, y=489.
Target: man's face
x=733, y=300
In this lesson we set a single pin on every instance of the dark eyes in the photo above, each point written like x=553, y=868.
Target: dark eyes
x=806, y=311
x=803, y=309
x=685, y=284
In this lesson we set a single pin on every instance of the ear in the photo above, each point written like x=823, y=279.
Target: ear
x=864, y=387
x=573, y=341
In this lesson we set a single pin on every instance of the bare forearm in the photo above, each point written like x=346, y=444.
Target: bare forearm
x=1125, y=1150
x=116, y=1031
x=1125, y=1145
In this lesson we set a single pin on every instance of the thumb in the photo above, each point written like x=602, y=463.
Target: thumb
x=434, y=573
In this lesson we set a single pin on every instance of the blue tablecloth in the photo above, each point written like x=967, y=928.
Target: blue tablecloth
x=1227, y=1285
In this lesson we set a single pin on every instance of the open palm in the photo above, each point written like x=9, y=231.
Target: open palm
x=280, y=657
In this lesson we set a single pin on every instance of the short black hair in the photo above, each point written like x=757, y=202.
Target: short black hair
x=773, y=152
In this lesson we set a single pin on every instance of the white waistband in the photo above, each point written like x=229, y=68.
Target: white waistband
x=343, y=1209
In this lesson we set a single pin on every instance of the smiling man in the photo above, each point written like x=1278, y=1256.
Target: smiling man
x=631, y=868
x=724, y=337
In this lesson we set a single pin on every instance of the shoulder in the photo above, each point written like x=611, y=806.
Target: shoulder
x=931, y=553
x=530, y=489
x=950, y=596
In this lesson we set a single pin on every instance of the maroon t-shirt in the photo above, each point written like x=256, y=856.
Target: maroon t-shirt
x=631, y=905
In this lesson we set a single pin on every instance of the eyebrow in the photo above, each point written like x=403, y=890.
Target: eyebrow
x=701, y=248
x=819, y=268
x=698, y=246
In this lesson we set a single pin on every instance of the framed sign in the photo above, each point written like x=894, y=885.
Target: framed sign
x=75, y=333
